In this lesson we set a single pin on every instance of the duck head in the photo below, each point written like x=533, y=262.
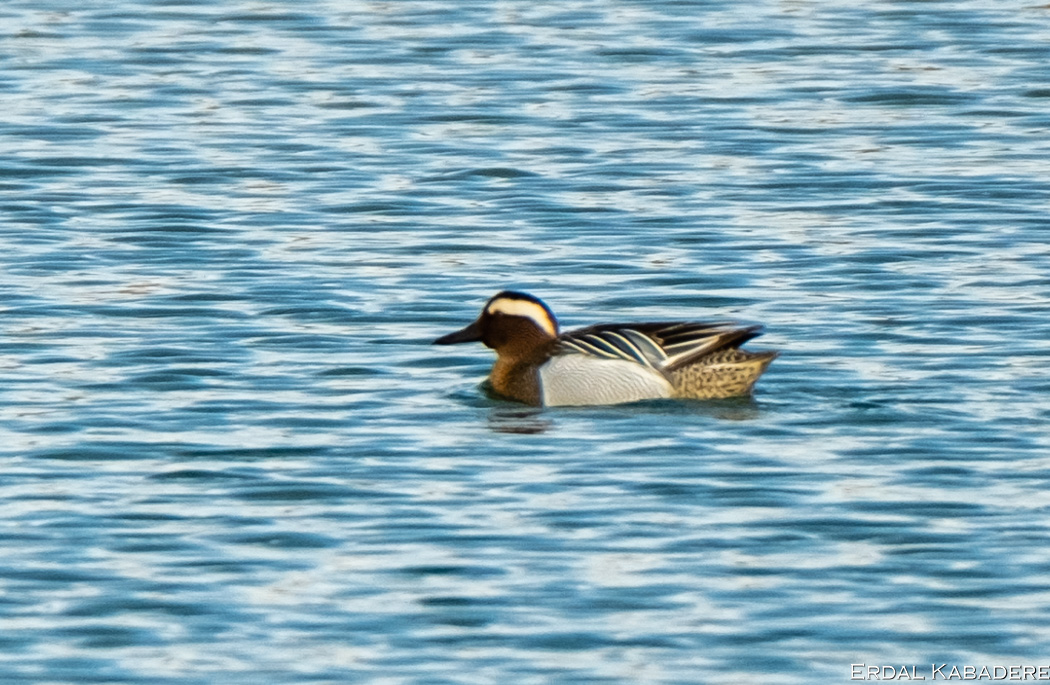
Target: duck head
x=509, y=319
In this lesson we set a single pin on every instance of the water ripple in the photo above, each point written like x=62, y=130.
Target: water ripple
x=231, y=455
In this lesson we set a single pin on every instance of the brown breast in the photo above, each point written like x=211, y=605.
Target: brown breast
x=517, y=380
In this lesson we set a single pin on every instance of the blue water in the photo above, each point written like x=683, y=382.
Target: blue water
x=228, y=453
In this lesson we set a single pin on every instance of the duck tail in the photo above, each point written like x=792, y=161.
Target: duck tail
x=726, y=373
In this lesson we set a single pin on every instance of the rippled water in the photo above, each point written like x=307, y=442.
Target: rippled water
x=230, y=229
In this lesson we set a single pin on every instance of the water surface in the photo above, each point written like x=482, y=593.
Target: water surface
x=231, y=229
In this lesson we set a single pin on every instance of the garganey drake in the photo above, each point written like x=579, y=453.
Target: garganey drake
x=609, y=363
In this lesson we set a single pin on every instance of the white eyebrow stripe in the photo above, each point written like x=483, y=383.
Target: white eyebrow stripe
x=527, y=309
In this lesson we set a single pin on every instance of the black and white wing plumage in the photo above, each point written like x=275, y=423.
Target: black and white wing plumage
x=664, y=346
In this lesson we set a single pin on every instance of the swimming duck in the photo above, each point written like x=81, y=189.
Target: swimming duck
x=609, y=363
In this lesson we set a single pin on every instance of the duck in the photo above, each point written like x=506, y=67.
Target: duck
x=604, y=364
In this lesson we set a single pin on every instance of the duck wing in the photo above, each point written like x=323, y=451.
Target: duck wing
x=662, y=346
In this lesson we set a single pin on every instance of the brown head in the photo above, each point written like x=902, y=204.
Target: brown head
x=514, y=324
